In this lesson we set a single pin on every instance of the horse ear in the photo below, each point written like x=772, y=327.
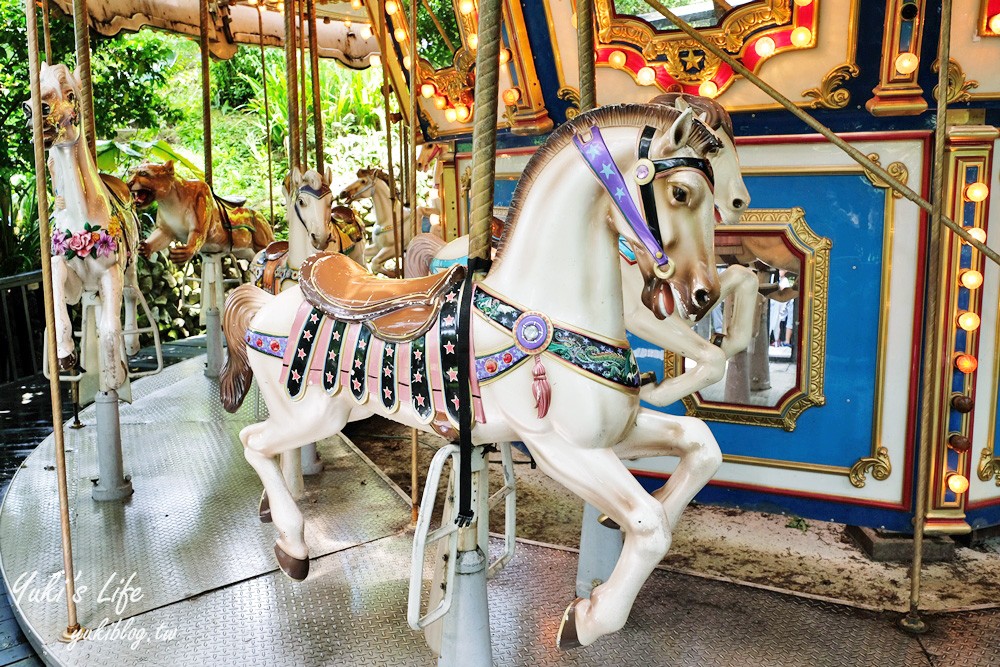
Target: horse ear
x=296, y=175
x=679, y=133
x=286, y=185
x=169, y=166
x=328, y=174
x=76, y=78
x=681, y=104
x=313, y=178
x=44, y=67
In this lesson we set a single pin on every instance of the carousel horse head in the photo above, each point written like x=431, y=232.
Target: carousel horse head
x=308, y=199
x=427, y=153
x=151, y=181
x=364, y=186
x=60, y=105
x=731, y=194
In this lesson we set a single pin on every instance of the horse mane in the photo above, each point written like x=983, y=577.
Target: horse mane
x=702, y=140
x=716, y=115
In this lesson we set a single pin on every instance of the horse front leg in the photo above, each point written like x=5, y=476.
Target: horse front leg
x=67, y=288
x=740, y=283
x=109, y=330
x=689, y=439
x=675, y=335
x=600, y=478
x=131, y=307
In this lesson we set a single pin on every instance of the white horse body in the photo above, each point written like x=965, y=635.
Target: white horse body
x=104, y=263
x=591, y=422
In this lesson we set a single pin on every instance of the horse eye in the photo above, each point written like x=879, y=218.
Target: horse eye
x=45, y=108
x=70, y=97
x=680, y=194
x=302, y=202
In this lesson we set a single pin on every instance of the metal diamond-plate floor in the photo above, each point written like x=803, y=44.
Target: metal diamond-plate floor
x=209, y=592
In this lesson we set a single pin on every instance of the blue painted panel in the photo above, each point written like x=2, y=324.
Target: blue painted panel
x=850, y=211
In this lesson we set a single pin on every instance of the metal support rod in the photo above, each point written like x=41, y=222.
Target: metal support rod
x=930, y=418
x=267, y=115
x=314, y=68
x=385, y=47
x=585, y=53
x=46, y=31
x=404, y=184
x=411, y=184
x=853, y=152
x=304, y=84
x=292, y=86
x=414, y=480
x=45, y=242
x=484, y=132
x=81, y=28
x=440, y=28
x=206, y=90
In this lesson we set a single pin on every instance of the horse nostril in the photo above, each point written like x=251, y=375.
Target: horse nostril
x=702, y=298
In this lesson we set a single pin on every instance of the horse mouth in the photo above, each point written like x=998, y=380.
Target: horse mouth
x=658, y=296
x=143, y=196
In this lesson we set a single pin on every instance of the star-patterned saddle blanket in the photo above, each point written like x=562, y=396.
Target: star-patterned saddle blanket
x=347, y=356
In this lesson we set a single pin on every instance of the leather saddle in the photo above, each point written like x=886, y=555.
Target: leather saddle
x=231, y=201
x=275, y=250
x=396, y=310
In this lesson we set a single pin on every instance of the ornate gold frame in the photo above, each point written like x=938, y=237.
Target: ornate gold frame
x=815, y=280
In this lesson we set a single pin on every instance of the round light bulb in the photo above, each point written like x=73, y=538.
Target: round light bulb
x=958, y=484
x=366, y=31
x=252, y=3
x=466, y=7
x=646, y=76
x=803, y=3
x=971, y=279
x=906, y=63
x=977, y=233
x=969, y=321
x=966, y=363
x=435, y=219
x=617, y=59
x=399, y=34
x=347, y=23
x=406, y=62
x=391, y=7
x=440, y=102
x=472, y=40
x=708, y=89
x=511, y=96
x=504, y=56
x=356, y=4
x=801, y=36
x=450, y=115
x=977, y=192
x=994, y=24
x=462, y=112
x=432, y=193
x=764, y=46
x=428, y=90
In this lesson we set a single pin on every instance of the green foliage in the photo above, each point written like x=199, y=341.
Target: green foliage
x=431, y=44
x=231, y=78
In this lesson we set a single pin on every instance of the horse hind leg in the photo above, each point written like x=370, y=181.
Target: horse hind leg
x=113, y=369
x=131, y=312
x=599, y=477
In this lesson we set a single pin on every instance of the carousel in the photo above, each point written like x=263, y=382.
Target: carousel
x=733, y=252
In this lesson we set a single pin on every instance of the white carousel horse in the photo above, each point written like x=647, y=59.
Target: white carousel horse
x=428, y=253
x=374, y=184
x=95, y=236
x=554, y=293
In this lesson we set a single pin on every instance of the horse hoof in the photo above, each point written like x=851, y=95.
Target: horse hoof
x=264, y=509
x=608, y=522
x=296, y=568
x=68, y=362
x=567, y=637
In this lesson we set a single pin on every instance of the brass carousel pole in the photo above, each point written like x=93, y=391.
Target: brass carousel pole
x=292, y=86
x=386, y=46
x=585, y=53
x=81, y=29
x=412, y=194
x=303, y=92
x=206, y=90
x=404, y=184
x=46, y=31
x=930, y=419
x=45, y=241
x=853, y=152
x=267, y=115
x=314, y=69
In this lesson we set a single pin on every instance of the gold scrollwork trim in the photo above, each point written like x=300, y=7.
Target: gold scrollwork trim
x=879, y=465
x=571, y=95
x=959, y=89
x=897, y=170
x=816, y=279
x=989, y=466
x=830, y=94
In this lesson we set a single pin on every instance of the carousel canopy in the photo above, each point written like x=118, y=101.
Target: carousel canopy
x=341, y=30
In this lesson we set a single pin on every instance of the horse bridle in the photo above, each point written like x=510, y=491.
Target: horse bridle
x=360, y=193
x=645, y=225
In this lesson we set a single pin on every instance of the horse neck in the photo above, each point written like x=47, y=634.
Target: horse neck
x=382, y=203
x=79, y=184
x=299, y=244
x=561, y=258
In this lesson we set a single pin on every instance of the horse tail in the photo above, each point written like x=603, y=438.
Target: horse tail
x=262, y=232
x=422, y=249
x=241, y=307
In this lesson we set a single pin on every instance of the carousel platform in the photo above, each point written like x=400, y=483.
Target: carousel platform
x=183, y=572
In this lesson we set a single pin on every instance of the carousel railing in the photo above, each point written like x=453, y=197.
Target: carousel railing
x=20, y=295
